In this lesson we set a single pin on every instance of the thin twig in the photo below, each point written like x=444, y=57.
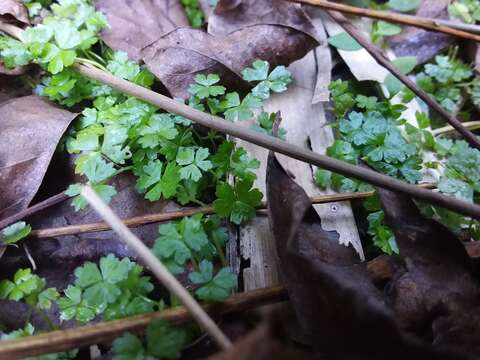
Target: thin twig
x=383, y=60
x=404, y=19
x=105, y=332
x=173, y=215
x=157, y=268
x=282, y=147
x=277, y=145
x=472, y=125
x=56, y=199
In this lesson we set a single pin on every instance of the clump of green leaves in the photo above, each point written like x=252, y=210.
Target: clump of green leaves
x=466, y=10
x=212, y=288
x=29, y=288
x=194, y=13
x=449, y=80
x=369, y=131
x=169, y=158
x=161, y=342
x=68, y=32
x=197, y=240
x=34, y=6
x=114, y=289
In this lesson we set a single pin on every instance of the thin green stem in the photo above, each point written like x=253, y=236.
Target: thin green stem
x=46, y=318
x=221, y=253
x=123, y=169
x=92, y=63
x=471, y=125
x=201, y=203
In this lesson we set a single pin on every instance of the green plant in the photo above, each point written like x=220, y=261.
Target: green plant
x=466, y=10
x=113, y=289
x=14, y=233
x=161, y=342
x=448, y=80
x=194, y=13
x=29, y=330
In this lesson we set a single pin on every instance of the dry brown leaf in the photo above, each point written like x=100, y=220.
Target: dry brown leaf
x=280, y=39
x=135, y=24
x=30, y=129
x=332, y=295
x=422, y=44
x=14, y=8
x=439, y=285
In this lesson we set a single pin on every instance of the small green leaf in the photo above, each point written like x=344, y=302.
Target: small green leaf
x=344, y=41
x=403, y=5
x=15, y=232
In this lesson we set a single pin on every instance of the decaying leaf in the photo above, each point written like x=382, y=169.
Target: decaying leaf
x=234, y=15
x=15, y=9
x=333, y=297
x=135, y=24
x=278, y=37
x=421, y=43
x=266, y=342
x=438, y=295
x=30, y=129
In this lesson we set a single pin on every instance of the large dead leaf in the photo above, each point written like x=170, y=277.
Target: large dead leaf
x=422, y=44
x=333, y=297
x=280, y=39
x=438, y=295
x=30, y=129
x=14, y=8
x=135, y=24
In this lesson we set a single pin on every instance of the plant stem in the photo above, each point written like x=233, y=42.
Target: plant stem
x=106, y=332
x=472, y=125
x=56, y=199
x=173, y=215
x=92, y=63
x=45, y=317
x=438, y=25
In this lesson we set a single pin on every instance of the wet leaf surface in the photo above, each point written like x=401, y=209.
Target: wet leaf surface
x=30, y=129
x=15, y=9
x=135, y=24
x=421, y=43
x=278, y=37
x=439, y=287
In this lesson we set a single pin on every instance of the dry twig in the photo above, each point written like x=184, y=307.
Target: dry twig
x=438, y=25
x=173, y=215
x=157, y=268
